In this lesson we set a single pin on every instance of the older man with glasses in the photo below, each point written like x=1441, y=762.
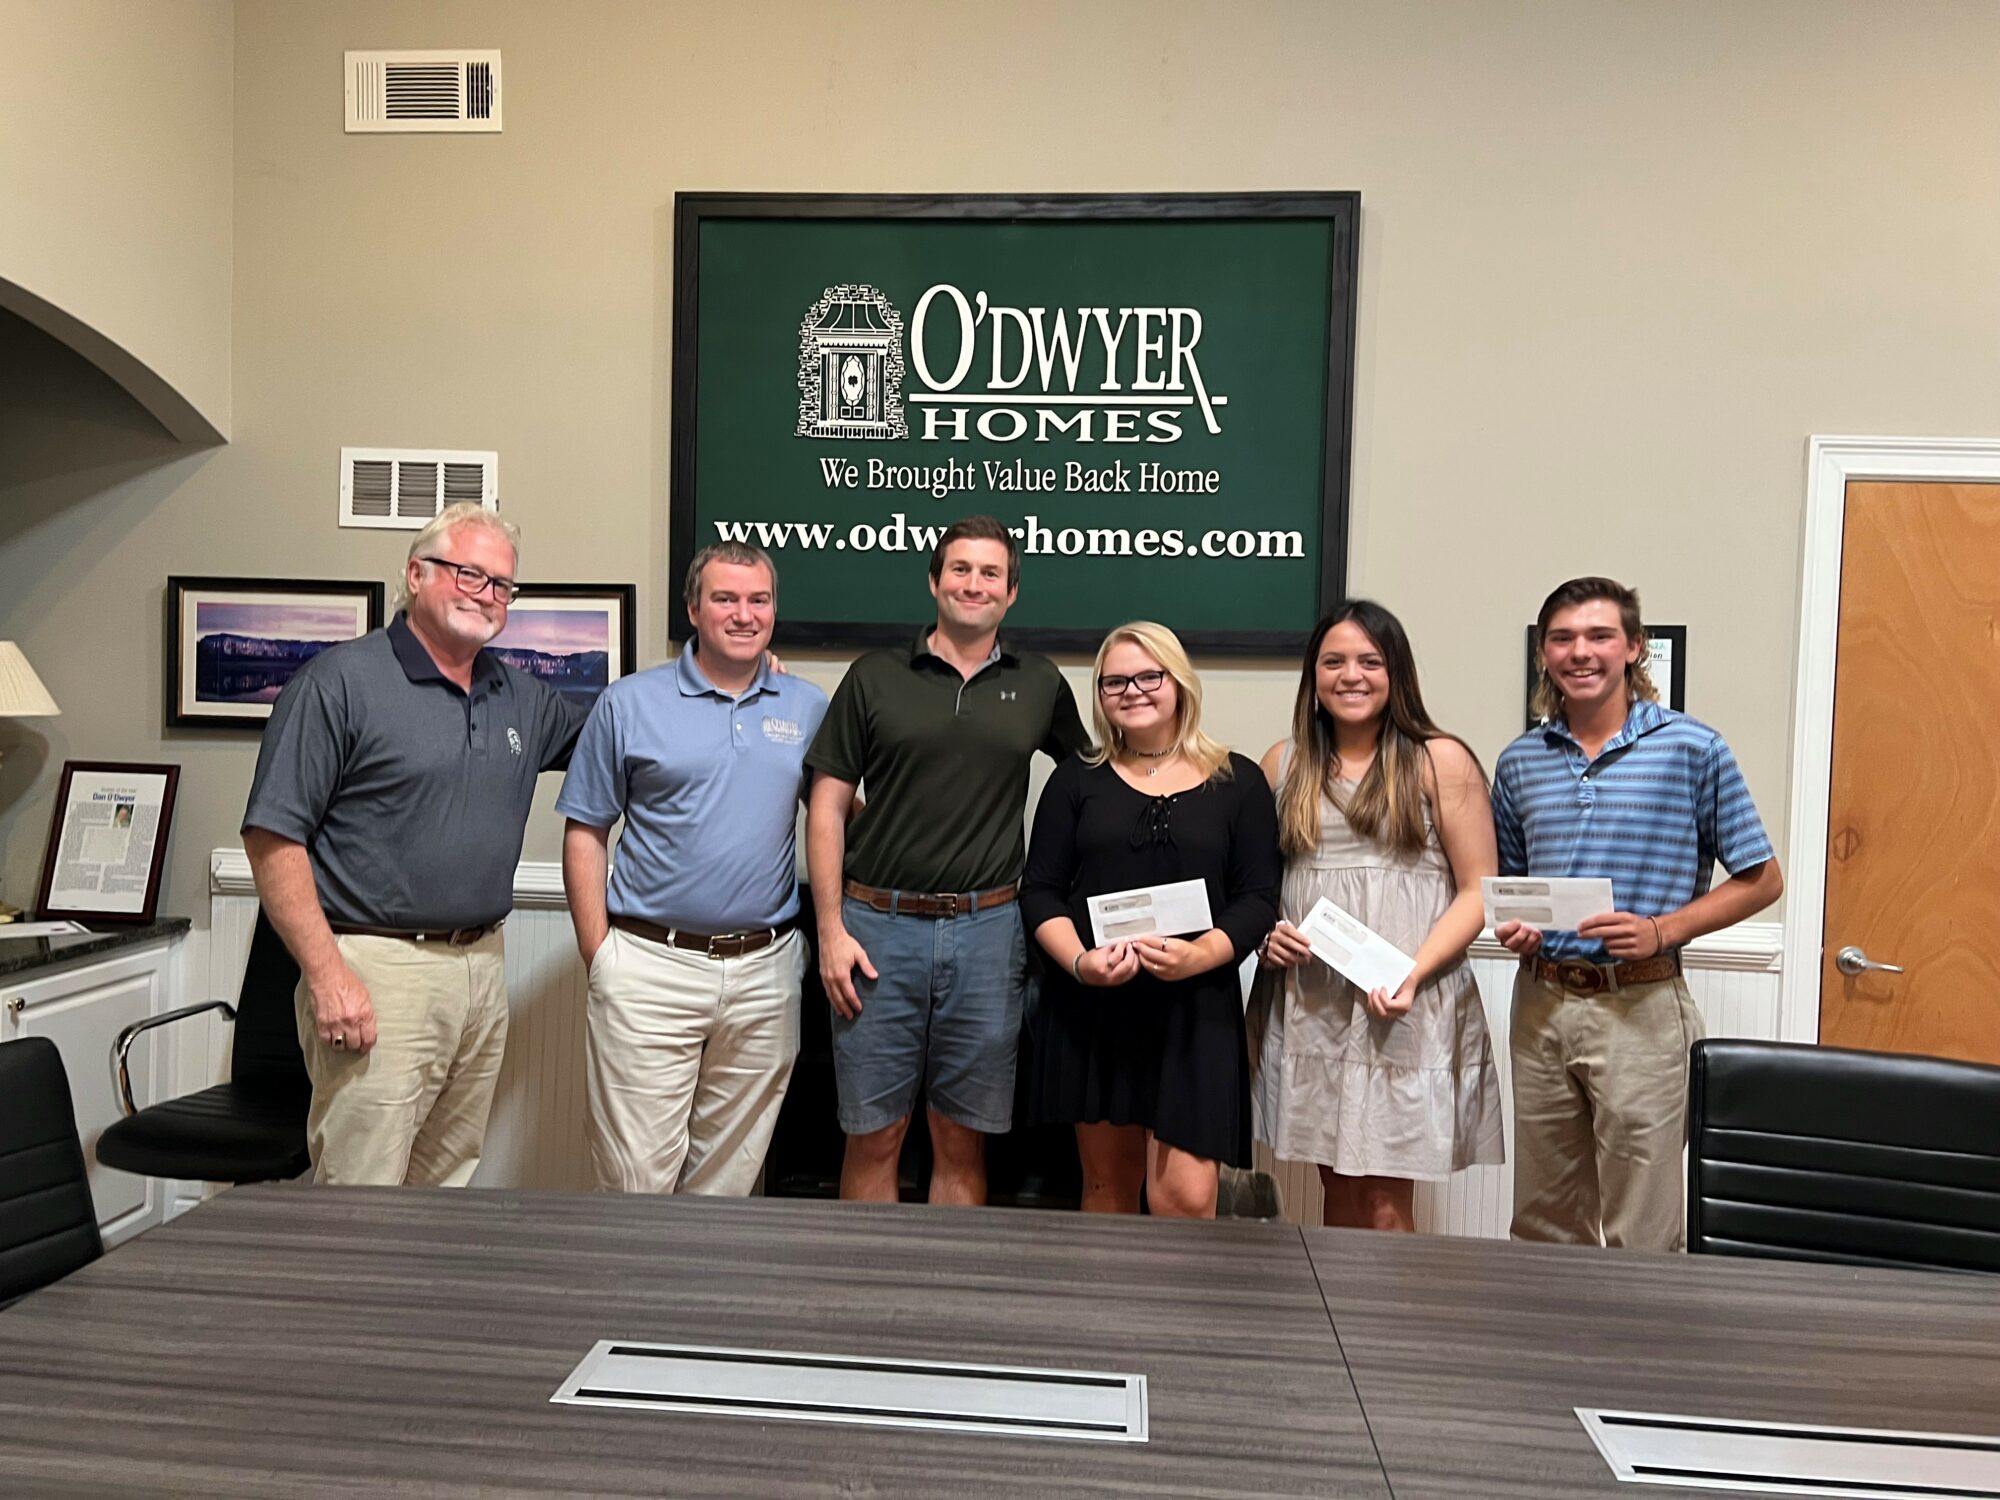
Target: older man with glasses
x=384, y=825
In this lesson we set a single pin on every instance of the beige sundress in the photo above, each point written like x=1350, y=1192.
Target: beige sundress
x=1415, y=1097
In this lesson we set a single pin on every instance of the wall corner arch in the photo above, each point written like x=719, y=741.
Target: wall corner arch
x=183, y=420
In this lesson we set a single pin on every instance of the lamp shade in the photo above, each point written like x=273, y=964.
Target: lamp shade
x=22, y=695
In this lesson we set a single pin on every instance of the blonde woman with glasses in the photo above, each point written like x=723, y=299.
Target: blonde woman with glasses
x=1386, y=816
x=1140, y=1039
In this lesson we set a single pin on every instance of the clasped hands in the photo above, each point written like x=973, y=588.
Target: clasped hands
x=1287, y=948
x=1625, y=935
x=1162, y=957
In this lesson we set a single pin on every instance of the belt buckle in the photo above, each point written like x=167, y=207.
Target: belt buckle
x=1576, y=974
x=951, y=905
x=458, y=937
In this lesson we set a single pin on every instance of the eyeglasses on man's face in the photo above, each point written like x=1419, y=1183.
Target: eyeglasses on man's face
x=1115, y=684
x=473, y=581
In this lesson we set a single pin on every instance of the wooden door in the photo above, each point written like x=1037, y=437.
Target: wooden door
x=1913, y=826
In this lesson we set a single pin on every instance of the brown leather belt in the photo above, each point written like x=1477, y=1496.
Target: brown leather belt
x=1585, y=978
x=709, y=944
x=455, y=937
x=929, y=904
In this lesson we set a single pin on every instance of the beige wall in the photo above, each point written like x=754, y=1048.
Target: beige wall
x=116, y=182
x=1618, y=261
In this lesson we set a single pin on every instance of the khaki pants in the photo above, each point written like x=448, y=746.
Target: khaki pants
x=413, y=1107
x=1600, y=1113
x=687, y=1060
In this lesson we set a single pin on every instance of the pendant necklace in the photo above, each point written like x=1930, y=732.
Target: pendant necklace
x=1154, y=755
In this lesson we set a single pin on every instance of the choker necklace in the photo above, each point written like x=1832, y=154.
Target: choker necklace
x=1152, y=755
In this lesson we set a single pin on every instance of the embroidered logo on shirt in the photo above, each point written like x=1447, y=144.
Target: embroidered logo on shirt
x=783, y=731
x=513, y=739
x=1008, y=695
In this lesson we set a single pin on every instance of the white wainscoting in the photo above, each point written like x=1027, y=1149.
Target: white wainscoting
x=536, y=1139
x=1734, y=977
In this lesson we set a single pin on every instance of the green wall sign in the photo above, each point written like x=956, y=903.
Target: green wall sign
x=1154, y=393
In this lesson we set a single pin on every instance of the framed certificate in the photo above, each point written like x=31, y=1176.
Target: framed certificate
x=107, y=848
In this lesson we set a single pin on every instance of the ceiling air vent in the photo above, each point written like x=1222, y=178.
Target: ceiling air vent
x=435, y=91
x=404, y=488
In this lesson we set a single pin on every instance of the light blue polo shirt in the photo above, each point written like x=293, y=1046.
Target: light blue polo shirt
x=709, y=789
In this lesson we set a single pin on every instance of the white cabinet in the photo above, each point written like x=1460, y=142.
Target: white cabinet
x=82, y=1008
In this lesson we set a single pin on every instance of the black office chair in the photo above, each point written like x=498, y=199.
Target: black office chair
x=1861, y=1158
x=48, y=1226
x=250, y=1129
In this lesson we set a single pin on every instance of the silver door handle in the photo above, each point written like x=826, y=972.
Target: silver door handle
x=16, y=1005
x=1851, y=960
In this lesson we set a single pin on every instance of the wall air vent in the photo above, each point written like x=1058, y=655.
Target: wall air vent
x=404, y=488
x=431, y=91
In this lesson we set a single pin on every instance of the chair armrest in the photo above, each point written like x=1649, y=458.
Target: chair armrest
x=121, y=1079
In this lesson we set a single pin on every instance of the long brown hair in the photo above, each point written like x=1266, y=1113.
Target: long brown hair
x=1547, y=701
x=1388, y=803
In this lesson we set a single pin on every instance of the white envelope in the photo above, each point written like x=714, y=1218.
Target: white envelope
x=41, y=929
x=1354, y=951
x=1555, y=904
x=1149, y=910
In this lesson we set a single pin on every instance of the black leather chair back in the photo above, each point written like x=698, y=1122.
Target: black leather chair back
x=1863, y=1158
x=48, y=1226
x=264, y=1052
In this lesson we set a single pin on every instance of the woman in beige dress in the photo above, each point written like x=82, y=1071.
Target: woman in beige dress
x=1386, y=816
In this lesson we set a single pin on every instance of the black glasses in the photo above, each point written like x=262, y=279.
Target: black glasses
x=471, y=580
x=1146, y=682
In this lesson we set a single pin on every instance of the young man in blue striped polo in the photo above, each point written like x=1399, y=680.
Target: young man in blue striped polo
x=1614, y=786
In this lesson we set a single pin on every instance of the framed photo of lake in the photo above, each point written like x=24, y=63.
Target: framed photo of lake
x=579, y=638
x=233, y=643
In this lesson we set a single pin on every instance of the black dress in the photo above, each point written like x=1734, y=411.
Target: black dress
x=1170, y=1057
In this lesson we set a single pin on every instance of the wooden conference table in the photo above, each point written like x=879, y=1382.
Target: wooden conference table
x=285, y=1341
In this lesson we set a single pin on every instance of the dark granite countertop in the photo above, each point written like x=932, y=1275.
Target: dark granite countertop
x=24, y=955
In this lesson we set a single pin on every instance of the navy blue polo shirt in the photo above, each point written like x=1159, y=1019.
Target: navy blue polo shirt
x=708, y=786
x=410, y=794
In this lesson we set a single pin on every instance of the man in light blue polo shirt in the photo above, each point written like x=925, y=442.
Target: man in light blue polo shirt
x=695, y=957
x=1614, y=786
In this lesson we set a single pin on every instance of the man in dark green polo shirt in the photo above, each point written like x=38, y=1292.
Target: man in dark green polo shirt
x=921, y=948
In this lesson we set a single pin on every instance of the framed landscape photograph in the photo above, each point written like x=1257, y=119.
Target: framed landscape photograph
x=107, y=846
x=577, y=637
x=233, y=643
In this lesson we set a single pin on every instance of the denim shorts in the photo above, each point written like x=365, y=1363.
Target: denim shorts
x=944, y=1012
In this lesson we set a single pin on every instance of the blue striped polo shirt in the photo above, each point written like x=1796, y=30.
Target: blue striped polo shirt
x=1661, y=804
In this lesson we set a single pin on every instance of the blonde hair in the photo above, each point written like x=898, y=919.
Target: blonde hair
x=448, y=520
x=1210, y=757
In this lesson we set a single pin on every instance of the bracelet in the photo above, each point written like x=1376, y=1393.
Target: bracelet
x=1076, y=965
x=1659, y=943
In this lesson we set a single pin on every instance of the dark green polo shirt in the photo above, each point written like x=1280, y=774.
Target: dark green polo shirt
x=410, y=794
x=945, y=762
